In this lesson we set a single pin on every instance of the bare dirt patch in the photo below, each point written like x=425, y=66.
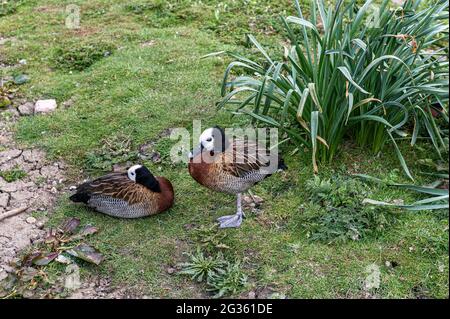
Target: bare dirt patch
x=28, y=180
x=102, y=288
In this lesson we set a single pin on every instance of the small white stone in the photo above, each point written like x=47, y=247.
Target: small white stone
x=45, y=106
x=23, y=62
x=72, y=188
x=31, y=220
x=63, y=259
x=171, y=270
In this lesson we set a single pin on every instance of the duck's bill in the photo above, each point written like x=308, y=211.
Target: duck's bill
x=196, y=151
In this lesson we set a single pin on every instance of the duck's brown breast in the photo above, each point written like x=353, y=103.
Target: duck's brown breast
x=200, y=172
x=213, y=175
x=166, y=197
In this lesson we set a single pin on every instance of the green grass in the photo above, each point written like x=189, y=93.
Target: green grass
x=141, y=90
x=13, y=175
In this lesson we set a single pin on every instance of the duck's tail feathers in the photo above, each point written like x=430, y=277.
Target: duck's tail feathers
x=281, y=165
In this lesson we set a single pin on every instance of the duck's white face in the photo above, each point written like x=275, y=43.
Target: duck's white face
x=132, y=172
x=207, y=139
x=211, y=140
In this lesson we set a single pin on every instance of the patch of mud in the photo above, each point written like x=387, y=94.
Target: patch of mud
x=37, y=190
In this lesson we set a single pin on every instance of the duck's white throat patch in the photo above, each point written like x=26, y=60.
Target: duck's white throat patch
x=132, y=172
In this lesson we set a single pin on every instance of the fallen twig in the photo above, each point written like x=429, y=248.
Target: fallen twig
x=12, y=213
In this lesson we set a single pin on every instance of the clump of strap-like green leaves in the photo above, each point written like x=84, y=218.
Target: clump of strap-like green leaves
x=369, y=72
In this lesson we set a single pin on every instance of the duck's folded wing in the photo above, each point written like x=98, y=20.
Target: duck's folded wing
x=245, y=159
x=116, y=185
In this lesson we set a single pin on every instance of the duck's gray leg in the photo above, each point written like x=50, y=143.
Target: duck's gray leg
x=232, y=220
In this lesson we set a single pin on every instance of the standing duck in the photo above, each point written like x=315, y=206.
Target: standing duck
x=230, y=167
x=132, y=194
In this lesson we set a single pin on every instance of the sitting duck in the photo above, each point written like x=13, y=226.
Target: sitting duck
x=230, y=167
x=132, y=194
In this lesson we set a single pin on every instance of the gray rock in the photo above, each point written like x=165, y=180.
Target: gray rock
x=4, y=199
x=63, y=259
x=31, y=220
x=21, y=196
x=6, y=156
x=45, y=106
x=26, y=109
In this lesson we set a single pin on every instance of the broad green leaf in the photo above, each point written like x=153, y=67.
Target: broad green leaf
x=348, y=76
x=400, y=157
x=412, y=207
x=259, y=47
x=302, y=22
x=314, y=129
x=350, y=106
x=315, y=98
x=301, y=105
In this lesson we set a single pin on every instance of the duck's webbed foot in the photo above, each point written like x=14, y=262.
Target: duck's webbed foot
x=230, y=221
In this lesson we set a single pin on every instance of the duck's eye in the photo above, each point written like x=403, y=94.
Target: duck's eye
x=132, y=174
x=209, y=139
